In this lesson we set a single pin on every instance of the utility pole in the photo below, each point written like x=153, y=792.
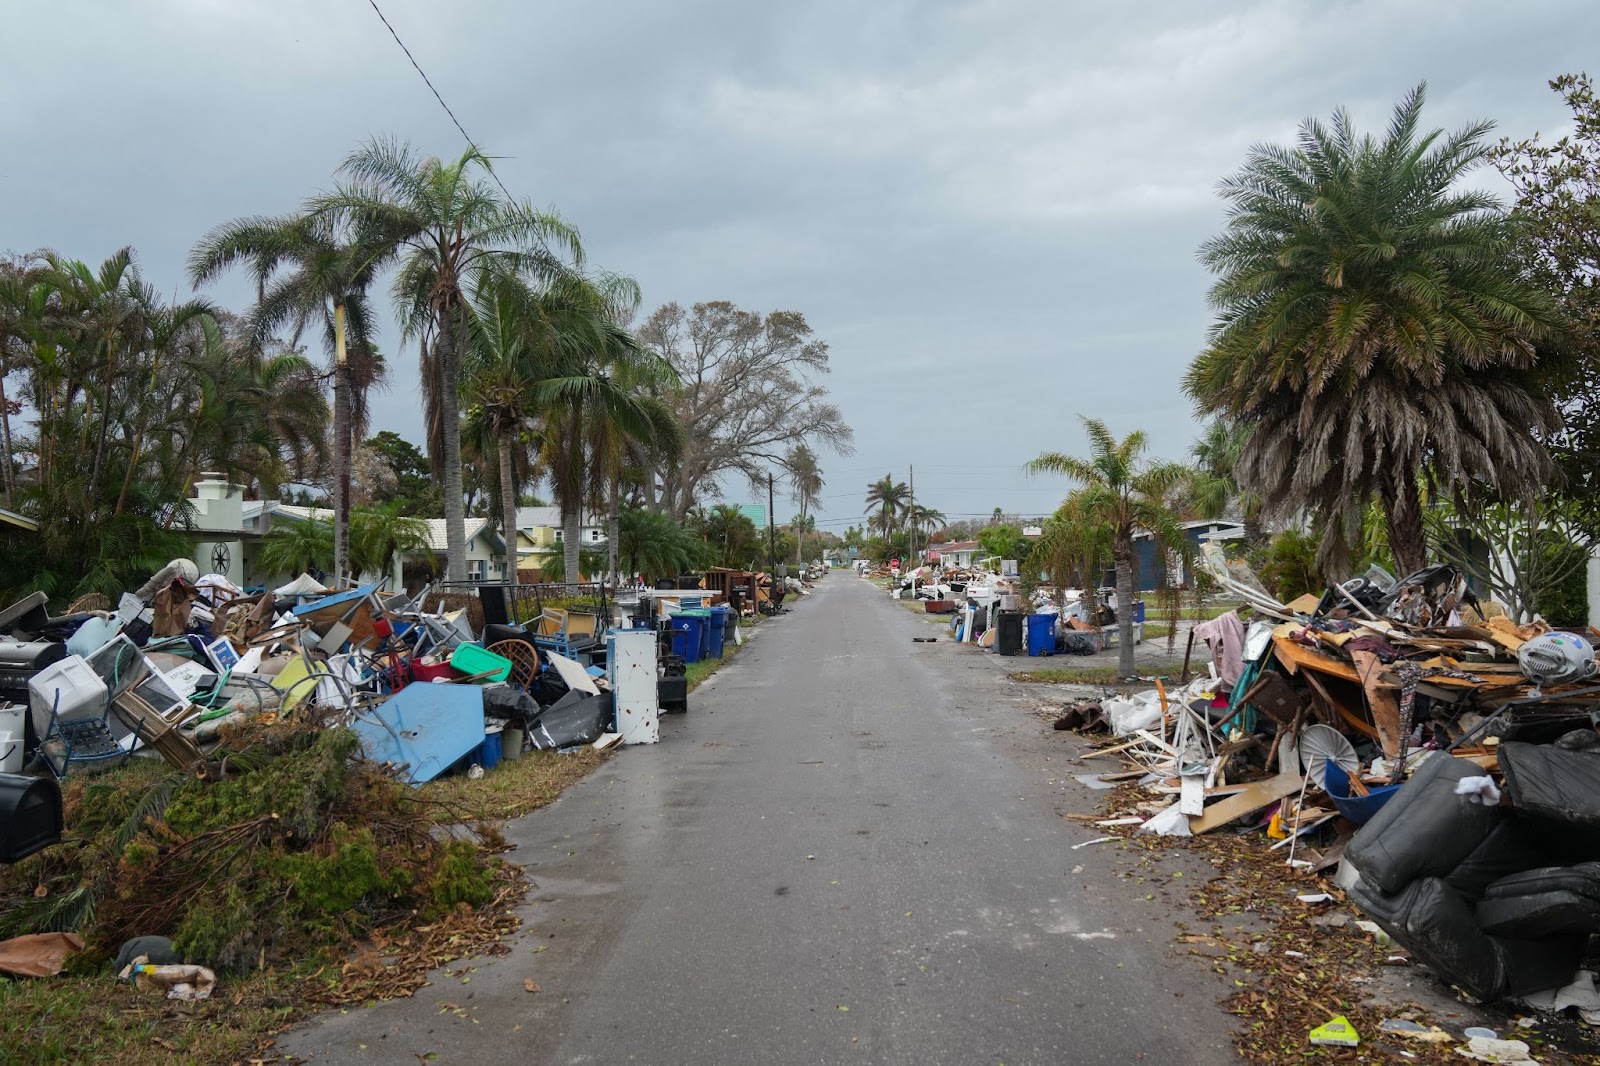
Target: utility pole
x=772, y=533
x=911, y=526
x=912, y=507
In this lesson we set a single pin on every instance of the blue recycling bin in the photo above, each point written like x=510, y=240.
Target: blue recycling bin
x=719, y=631
x=1138, y=612
x=1041, y=634
x=687, y=633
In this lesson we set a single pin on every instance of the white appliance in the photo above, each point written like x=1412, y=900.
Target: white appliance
x=631, y=671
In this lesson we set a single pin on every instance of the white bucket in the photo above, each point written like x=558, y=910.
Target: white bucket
x=10, y=752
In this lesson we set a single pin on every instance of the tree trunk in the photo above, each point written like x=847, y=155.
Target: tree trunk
x=800, y=535
x=5, y=430
x=571, y=531
x=341, y=452
x=1124, y=561
x=1402, y=506
x=508, y=507
x=455, y=511
x=614, y=532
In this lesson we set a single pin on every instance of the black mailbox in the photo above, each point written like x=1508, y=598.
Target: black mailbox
x=30, y=815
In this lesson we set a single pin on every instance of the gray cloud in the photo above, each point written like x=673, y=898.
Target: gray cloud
x=989, y=209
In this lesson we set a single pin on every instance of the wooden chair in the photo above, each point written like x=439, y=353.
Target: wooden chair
x=524, y=660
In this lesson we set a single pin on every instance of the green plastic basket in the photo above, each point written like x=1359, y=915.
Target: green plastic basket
x=473, y=660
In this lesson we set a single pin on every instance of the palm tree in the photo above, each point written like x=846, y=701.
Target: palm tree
x=379, y=534
x=805, y=478
x=1074, y=541
x=602, y=391
x=502, y=366
x=295, y=546
x=454, y=234
x=307, y=270
x=1124, y=492
x=889, y=497
x=1373, y=329
x=924, y=518
x=1215, y=490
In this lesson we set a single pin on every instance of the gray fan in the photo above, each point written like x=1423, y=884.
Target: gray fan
x=1321, y=745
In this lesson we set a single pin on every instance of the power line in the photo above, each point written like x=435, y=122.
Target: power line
x=429, y=83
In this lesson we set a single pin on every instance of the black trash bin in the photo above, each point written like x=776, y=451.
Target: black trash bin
x=1008, y=641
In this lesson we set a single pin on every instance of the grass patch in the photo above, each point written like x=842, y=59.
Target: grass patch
x=1092, y=675
x=101, y=1019
x=512, y=788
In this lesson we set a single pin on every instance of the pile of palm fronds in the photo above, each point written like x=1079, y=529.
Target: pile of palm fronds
x=299, y=850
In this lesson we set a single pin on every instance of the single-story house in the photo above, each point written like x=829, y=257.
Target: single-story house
x=955, y=553
x=1151, y=570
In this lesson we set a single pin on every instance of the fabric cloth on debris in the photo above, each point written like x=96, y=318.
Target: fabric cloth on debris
x=1224, y=635
x=1479, y=790
x=1385, y=651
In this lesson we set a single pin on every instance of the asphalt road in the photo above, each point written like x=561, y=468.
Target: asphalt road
x=833, y=858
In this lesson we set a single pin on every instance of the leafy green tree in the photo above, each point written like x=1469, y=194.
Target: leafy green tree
x=414, y=488
x=1374, y=329
x=1557, y=186
x=1123, y=492
x=1290, y=569
x=1004, y=542
x=452, y=233
x=730, y=535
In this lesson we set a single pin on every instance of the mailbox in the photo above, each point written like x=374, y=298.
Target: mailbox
x=30, y=815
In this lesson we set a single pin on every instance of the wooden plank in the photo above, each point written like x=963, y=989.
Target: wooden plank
x=1258, y=795
x=1294, y=657
x=1383, y=702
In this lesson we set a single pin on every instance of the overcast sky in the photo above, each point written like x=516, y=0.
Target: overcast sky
x=988, y=209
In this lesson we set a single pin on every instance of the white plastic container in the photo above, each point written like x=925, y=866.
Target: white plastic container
x=70, y=687
x=13, y=719
x=10, y=752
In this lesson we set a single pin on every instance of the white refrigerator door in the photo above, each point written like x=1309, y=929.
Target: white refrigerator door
x=631, y=669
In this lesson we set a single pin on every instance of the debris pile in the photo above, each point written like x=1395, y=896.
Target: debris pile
x=1442, y=760
x=270, y=742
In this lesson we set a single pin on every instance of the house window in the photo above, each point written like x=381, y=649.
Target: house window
x=558, y=536
x=594, y=534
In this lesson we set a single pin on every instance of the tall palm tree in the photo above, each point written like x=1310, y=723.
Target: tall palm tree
x=453, y=233
x=924, y=518
x=307, y=268
x=1124, y=492
x=602, y=391
x=805, y=478
x=1373, y=329
x=502, y=365
x=889, y=497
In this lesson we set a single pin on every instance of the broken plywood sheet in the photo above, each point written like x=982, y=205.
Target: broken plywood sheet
x=572, y=673
x=1382, y=700
x=1258, y=795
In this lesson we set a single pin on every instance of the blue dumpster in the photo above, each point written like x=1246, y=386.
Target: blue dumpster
x=719, y=630
x=1041, y=634
x=687, y=633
